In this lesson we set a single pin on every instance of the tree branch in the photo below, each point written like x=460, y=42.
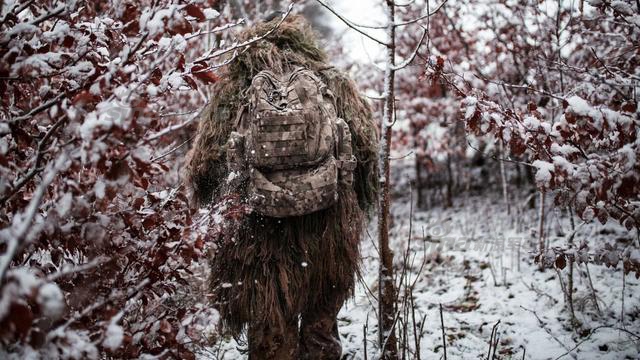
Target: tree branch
x=413, y=55
x=36, y=164
x=248, y=42
x=353, y=25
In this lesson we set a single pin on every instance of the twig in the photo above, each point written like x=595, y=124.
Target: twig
x=248, y=42
x=493, y=332
x=593, y=290
x=413, y=54
x=172, y=128
x=172, y=150
x=38, y=109
x=351, y=24
x=79, y=268
x=428, y=14
x=15, y=242
x=36, y=164
x=593, y=332
x=444, y=341
x=543, y=325
x=497, y=158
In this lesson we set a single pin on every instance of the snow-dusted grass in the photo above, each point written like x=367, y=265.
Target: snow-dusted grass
x=472, y=267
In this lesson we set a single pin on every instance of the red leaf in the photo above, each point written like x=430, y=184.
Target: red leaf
x=155, y=76
x=165, y=326
x=68, y=41
x=561, y=262
x=22, y=137
x=180, y=65
x=207, y=76
x=83, y=97
x=200, y=71
x=195, y=11
x=20, y=318
x=118, y=170
x=189, y=80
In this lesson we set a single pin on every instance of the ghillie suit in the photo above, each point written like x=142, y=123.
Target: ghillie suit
x=269, y=272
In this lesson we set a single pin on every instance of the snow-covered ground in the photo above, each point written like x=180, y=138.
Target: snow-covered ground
x=472, y=267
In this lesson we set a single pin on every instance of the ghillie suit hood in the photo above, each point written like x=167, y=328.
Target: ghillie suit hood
x=268, y=265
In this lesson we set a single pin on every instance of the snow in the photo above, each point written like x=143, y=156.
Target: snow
x=99, y=189
x=114, y=334
x=106, y=115
x=210, y=14
x=564, y=149
x=58, y=33
x=628, y=153
x=470, y=103
x=155, y=22
x=544, y=173
x=480, y=268
x=622, y=7
x=51, y=300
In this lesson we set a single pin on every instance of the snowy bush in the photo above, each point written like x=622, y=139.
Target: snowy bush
x=96, y=234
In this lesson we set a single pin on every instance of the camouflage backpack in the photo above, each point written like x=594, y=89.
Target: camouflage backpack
x=290, y=145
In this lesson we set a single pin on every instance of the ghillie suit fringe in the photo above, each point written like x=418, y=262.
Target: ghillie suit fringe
x=271, y=270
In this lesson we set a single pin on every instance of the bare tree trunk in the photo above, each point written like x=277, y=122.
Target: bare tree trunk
x=419, y=184
x=449, y=195
x=503, y=178
x=387, y=291
x=570, y=276
x=541, y=248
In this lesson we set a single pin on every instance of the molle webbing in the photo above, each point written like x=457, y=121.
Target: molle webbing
x=282, y=139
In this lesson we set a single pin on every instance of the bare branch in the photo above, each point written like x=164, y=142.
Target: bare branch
x=78, y=268
x=172, y=128
x=36, y=164
x=172, y=150
x=17, y=237
x=413, y=55
x=248, y=42
x=353, y=25
x=38, y=109
x=215, y=30
x=423, y=16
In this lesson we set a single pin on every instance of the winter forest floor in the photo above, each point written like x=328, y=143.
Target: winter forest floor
x=477, y=262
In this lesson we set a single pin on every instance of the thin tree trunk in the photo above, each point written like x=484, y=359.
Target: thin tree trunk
x=449, y=195
x=594, y=296
x=571, y=261
x=418, y=165
x=541, y=248
x=387, y=291
x=503, y=178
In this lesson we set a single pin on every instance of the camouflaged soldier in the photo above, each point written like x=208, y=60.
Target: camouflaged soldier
x=293, y=137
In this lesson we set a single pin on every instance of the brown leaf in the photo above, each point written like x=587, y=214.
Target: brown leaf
x=68, y=41
x=180, y=64
x=195, y=11
x=83, y=97
x=189, y=80
x=20, y=318
x=199, y=71
x=155, y=76
x=561, y=262
x=165, y=326
x=119, y=170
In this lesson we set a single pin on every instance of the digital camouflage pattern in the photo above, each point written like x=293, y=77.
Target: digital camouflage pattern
x=281, y=272
x=288, y=139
